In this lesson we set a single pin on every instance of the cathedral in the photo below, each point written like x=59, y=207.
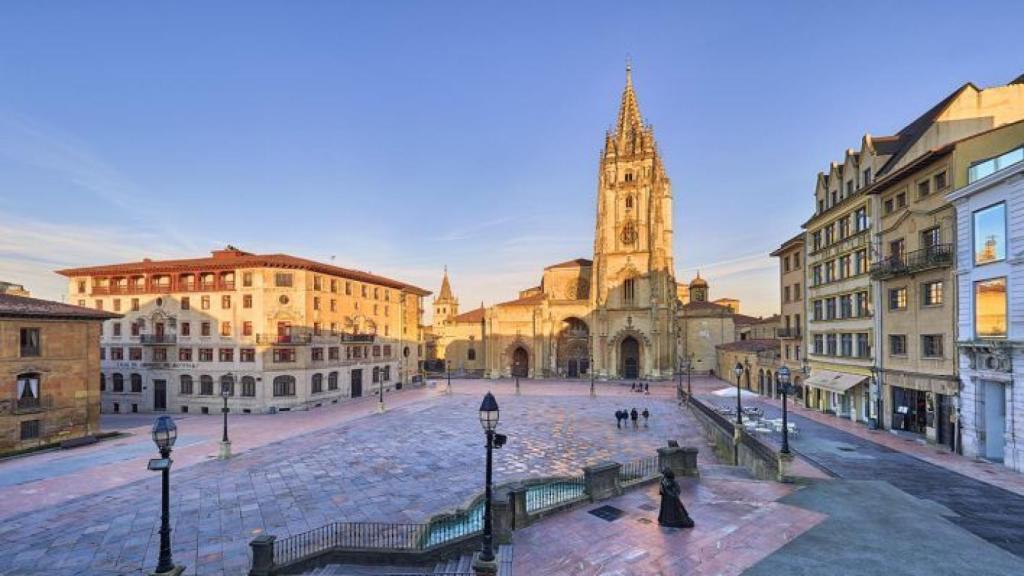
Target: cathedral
x=612, y=316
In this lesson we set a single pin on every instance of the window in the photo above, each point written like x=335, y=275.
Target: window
x=923, y=188
x=117, y=304
x=332, y=381
x=830, y=344
x=861, y=304
x=628, y=290
x=135, y=304
x=821, y=206
x=135, y=328
x=819, y=344
x=829, y=234
x=990, y=234
x=284, y=386
x=901, y=200
x=81, y=286
x=797, y=295
x=116, y=327
x=316, y=302
x=896, y=249
x=376, y=374
x=471, y=354
x=136, y=380
x=204, y=302
x=830, y=308
x=818, y=310
x=362, y=290
x=159, y=354
x=816, y=274
x=849, y=187
x=318, y=283
x=206, y=354
x=990, y=308
x=28, y=390
x=376, y=293
x=897, y=345
x=206, y=385
x=225, y=328
x=939, y=180
x=99, y=304
x=317, y=354
x=835, y=198
x=846, y=345
x=348, y=288
x=932, y=293
x=185, y=304
x=225, y=302
x=283, y=280
x=118, y=382
x=844, y=266
x=830, y=271
x=992, y=165
x=931, y=346
x=317, y=384
x=226, y=354
x=332, y=353
x=785, y=294
x=846, y=306
x=334, y=286
x=282, y=355
x=246, y=355
x=103, y=382
x=247, y=279
x=135, y=354
x=860, y=262
x=844, y=227
x=860, y=219
x=248, y=386
x=867, y=177
x=30, y=342
x=184, y=354
x=796, y=261
x=898, y=298
x=185, y=328
x=863, y=348
x=334, y=305
x=185, y=385
x=931, y=238
x=103, y=353
x=247, y=301
x=816, y=239
x=889, y=205
x=117, y=353
x=29, y=429
x=204, y=329
x=785, y=264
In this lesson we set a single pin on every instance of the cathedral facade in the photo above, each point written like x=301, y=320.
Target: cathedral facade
x=614, y=316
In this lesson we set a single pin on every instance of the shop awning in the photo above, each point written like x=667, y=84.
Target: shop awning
x=838, y=382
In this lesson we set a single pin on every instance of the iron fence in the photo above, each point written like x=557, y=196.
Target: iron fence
x=350, y=535
x=541, y=496
x=638, y=470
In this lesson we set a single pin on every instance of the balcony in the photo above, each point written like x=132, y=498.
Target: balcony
x=936, y=256
x=292, y=339
x=787, y=332
x=30, y=405
x=158, y=339
x=368, y=338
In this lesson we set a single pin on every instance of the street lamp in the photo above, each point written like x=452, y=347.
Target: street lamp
x=783, y=379
x=738, y=370
x=448, y=367
x=226, y=384
x=805, y=369
x=689, y=370
x=489, y=415
x=380, y=391
x=164, y=433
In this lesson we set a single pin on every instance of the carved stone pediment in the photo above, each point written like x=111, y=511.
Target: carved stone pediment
x=989, y=355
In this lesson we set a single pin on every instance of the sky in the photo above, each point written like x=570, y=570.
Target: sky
x=403, y=137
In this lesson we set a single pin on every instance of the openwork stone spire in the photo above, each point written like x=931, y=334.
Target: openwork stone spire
x=630, y=119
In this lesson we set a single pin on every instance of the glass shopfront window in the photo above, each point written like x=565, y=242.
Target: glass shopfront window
x=990, y=308
x=990, y=234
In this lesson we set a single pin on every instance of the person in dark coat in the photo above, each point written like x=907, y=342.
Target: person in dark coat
x=632, y=386
x=618, y=418
x=634, y=415
x=647, y=387
x=672, y=514
x=646, y=415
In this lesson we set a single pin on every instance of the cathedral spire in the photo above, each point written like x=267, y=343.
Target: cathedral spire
x=629, y=110
x=446, y=287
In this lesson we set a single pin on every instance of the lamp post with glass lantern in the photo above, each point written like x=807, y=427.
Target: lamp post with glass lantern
x=164, y=433
x=380, y=393
x=783, y=379
x=805, y=369
x=226, y=384
x=448, y=368
x=738, y=370
x=489, y=415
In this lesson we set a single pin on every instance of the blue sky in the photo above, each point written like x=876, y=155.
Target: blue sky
x=400, y=137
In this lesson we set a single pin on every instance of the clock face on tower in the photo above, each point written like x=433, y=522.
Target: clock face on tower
x=628, y=233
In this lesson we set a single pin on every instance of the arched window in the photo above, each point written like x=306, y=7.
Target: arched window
x=629, y=290
x=136, y=382
x=227, y=383
x=185, y=385
x=284, y=386
x=629, y=201
x=317, y=385
x=118, y=382
x=103, y=382
x=332, y=381
x=206, y=385
x=28, y=388
x=471, y=354
x=629, y=176
x=248, y=386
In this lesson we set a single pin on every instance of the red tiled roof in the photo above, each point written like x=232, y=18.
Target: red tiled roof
x=231, y=259
x=24, y=307
x=528, y=301
x=472, y=316
x=578, y=262
x=706, y=307
x=743, y=319
x=750, y=345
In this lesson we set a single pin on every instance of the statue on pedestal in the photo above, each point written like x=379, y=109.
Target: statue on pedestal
x=673, y=514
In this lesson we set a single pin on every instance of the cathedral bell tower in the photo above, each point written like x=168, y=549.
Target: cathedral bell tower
x=633, y=284
x=446, y=306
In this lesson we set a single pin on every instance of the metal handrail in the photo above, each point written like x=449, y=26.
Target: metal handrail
x=639, y=470
x=923, y=259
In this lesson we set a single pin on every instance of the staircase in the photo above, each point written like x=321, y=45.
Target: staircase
x=461, y=566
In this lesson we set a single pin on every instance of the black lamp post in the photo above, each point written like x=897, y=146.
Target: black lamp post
x=689, y=370
x=805, y=369
x=783, y=379
x=226, y=384
x=739, y=405
x=516, y=374
x=489, y=420
x=164, y=433
x=448, y=368
x=380, y=393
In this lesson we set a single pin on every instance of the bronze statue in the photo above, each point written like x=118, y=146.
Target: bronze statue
x=673, y=513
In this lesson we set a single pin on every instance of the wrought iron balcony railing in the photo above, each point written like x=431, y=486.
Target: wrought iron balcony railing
x=935, y=256
x=158, y=339
x=787, y=332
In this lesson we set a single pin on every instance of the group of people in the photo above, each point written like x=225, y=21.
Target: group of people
x=644, y=387
x=622, y=417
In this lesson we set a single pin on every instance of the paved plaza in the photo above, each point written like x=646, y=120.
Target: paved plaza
x=422, y=457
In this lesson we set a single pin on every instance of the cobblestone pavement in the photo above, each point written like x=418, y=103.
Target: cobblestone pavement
x=422, y=457
x=992, y=513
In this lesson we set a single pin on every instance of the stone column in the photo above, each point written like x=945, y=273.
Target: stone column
x=517, y=506
x=681, y=460
x=601, y=481
x=501, y=516
x=262, y=555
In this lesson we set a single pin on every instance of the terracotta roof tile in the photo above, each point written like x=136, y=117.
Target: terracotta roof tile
x=472, y=316
x=578, y=262
x=25, y=307
x=528, y=301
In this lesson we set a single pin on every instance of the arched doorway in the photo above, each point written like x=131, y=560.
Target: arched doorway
x=629, y=356
x=770, y=385
x=520, y=362
x=573, y=349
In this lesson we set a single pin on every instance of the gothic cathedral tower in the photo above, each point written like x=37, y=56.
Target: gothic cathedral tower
x=634, y=286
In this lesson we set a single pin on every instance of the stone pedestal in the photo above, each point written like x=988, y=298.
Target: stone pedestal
x=517, y=508
x=262, y=555
x=501, y=517
x=176, y=571
x=602, y=480
x=225, y=450
x=681, y=460
x=481, y=568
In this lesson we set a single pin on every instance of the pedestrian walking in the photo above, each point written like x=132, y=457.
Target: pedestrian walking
x=618, y=418
x=646, y=415
x=634, y=415
x=647, y=387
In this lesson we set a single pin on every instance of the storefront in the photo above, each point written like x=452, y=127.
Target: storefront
x=839, y=393
x=922, y=404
